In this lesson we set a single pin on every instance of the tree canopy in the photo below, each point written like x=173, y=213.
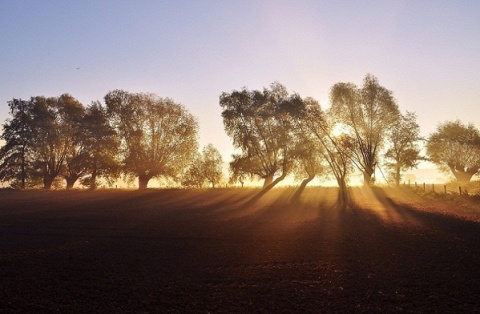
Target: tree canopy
x=260, y=125
x=158, y=136
x=275, y=134
x=455, y=148
x=204, y=167
x=404, y=151
x=368, y=113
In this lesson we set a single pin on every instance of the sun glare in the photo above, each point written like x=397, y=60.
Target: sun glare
x=338, y=130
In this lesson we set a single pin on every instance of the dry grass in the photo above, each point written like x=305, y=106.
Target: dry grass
x=218, y=251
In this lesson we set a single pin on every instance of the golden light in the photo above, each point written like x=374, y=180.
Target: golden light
x=338, y=130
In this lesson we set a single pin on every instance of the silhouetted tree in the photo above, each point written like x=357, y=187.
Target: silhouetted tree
x=212, y=164
x=368, y=113
x=259, y=124
x=455, y=147
x=309, y=162
x=101, y=144
x=70, y=122
x=194, y=176
x=236, y=173
x=205, y=167
x=159, y=136
x=334, y=149
x=50, y=146
x=15, y=156
x=404, y=151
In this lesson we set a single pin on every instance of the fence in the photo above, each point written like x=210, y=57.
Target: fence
x=438, y=188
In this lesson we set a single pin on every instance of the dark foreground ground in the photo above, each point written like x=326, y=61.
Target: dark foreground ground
x=179, y=251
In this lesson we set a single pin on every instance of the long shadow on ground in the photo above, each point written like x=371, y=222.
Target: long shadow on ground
x=211, y=251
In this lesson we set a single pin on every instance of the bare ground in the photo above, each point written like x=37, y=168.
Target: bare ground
x=182, y=251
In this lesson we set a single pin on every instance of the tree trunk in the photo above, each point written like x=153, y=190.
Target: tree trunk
x=367, y=177
x=71, y=182
x=93, y=181
x=397, y=176
x=342, y=192
x=302, y=186
x=143, y=181
x=23, y=170
x=93, y=178
x=268, y=180
x=463, y=177
x=47, y=182
x=273, y=183
x=268, y=187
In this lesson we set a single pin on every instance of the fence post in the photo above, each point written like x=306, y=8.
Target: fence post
x=460, y=190
x=423, y=186
x=415, y=184
x=445, y=189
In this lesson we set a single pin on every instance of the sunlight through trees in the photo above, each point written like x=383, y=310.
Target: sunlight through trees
x=275, y=134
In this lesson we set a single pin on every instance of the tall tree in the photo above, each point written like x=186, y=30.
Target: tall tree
x=258, y=123
x=17, y=134
x=404, y=151
x=101, y=144
x=71, y=115
x=159, y=136
x=368, y=112
x=334, y=149
x=50, y=147
x=455, y=147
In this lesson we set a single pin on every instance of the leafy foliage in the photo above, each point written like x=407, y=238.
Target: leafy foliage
x=455, y=147
x=260, y=125
x=404, y=151
x=368, y=112
x=158, y=136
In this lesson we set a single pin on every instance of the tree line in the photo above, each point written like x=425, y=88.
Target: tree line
x=137, y=135
x=275, y=134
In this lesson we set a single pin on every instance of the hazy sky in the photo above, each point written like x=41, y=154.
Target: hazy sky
x=426, y=52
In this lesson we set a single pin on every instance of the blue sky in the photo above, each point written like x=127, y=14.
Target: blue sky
x=426, y=52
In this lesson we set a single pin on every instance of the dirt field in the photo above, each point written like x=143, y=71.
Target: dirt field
x=180, y=251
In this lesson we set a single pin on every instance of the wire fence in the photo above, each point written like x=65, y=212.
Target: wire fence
x=439, y=188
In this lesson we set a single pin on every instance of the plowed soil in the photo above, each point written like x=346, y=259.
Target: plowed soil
x=219, y=251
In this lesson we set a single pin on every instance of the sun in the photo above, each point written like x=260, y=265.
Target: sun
x=338, y=130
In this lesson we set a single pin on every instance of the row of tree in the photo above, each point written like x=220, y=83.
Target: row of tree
x=276, y=134
x=138, y=135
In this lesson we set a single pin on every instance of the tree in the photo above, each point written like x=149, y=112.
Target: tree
x=404, y=151
x=309, y=162
x=259, y=124
x=455, y=147
x=71, y=123
x=101, y=144
x=368, y=113
x=159, y=136
x=212, y=164
x=50, y=147
x=17, y=133
x=194, y=175
x=334, y=149
x=206, y=166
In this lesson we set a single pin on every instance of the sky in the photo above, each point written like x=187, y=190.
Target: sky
x=426, y=52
